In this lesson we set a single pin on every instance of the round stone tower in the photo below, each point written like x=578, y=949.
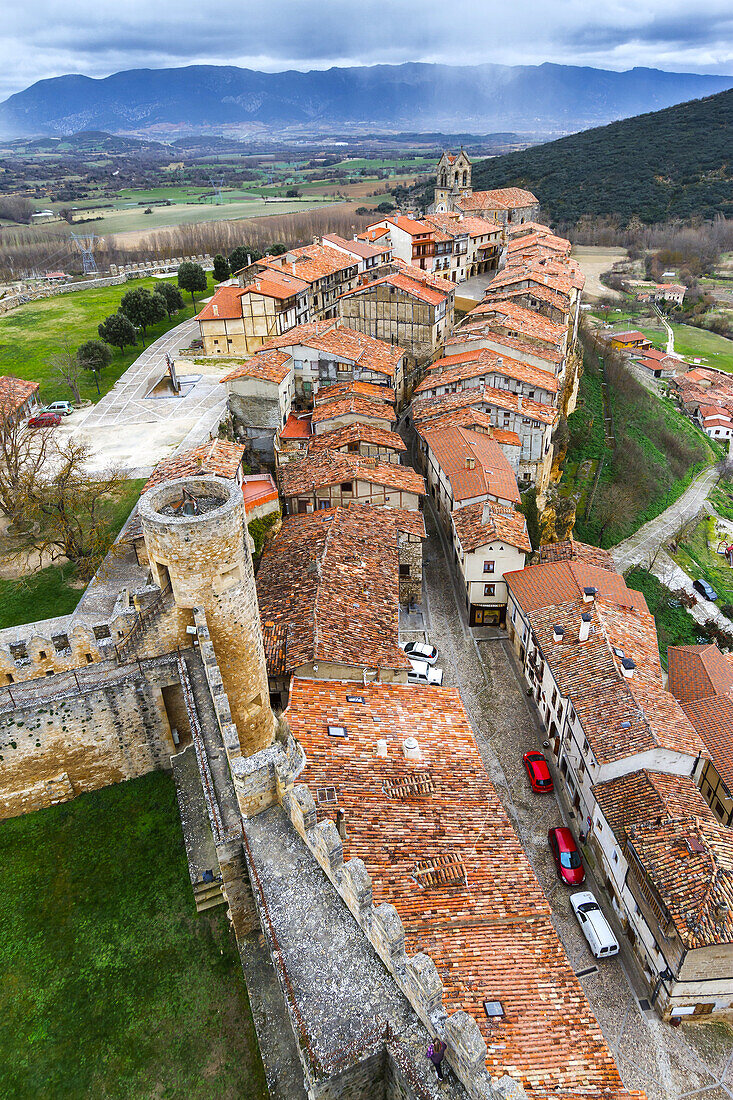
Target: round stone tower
x=196, y=539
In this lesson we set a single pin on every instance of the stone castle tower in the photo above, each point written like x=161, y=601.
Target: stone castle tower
x=452, y=182
x=195, y=535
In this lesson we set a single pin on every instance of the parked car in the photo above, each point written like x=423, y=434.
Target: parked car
x=44, y=420
x=566, y=855
x=421, y=651
x=705, y=590
x=594, y=925
x=538, y=772
x=423, y=673
x=61, y=408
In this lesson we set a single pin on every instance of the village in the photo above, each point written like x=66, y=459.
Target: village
x=401, y=733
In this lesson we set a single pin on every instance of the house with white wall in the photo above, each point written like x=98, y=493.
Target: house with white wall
x=489, y=540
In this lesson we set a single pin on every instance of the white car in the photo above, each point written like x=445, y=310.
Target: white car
x=421, y=651
x=594, y=925
x=60, y=408
x=423, y=673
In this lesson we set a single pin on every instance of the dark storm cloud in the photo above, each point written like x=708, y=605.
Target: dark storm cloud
x=44, y=38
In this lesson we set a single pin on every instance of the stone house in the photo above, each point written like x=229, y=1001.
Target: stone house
x=335, y=479
x=489, y=540
x=362, y=439
x=326, y=271
x=291, y=442
x=474, y=369
x=505, y=323
x=260, y=396
x=351, y=409
x=507, y=205
x=239, y=320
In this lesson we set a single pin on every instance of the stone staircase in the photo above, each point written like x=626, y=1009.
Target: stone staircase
x=208, y=895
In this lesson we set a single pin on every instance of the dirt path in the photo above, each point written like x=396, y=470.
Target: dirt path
x=594, y=260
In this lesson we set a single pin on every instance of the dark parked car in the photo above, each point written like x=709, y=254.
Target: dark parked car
x=705, y=590
x=566, y=855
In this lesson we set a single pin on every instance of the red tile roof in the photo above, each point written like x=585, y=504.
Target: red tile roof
x=475, y=420
x=343, y=342
x=226, y=304
x=485, y=335
x=519, y=319
x=273, y=283
x=297, y=426
x=483, y=522
x=409, y=225
x=424, y=408
x=645, y=796
x=328, y=585
x=268, y=366
x=353, y=405
x=362, y=249
x=369, y=390
x=14, y=392
x=404, y=283
x=698, y=671
x=257, y=489
x=501, y=198
x=456, y=449
x=340, y=437
x=489, y=933
x=217, y=456
x=332, y=467
x=486, y=362
x=572, y=550
x=309, y=263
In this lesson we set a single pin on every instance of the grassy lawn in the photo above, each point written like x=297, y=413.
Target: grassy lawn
x=699, y=559
x=675, y=625
x=696, y=343
x=50, y=592
x=111, y=985
x=34, y=332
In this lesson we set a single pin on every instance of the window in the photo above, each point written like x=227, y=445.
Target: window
x=347, y=487
x=404, y=570
x=489, y=590
x=488, y=567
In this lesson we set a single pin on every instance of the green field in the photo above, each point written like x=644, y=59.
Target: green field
x=696, y=343
x=675, y=625
x=696, y=554
x=112, y=985
x=32, y=333
x=135, y=220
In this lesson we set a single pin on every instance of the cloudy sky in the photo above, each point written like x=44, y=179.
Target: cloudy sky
x=43, y=38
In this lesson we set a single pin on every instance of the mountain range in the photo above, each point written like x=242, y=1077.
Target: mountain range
x=538, y=99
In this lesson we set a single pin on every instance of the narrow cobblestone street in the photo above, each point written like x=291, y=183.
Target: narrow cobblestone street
x=692, y=1061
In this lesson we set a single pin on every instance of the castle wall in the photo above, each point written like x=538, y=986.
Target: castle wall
x=57, y=745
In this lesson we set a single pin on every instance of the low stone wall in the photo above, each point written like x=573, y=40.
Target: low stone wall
x=268, y=777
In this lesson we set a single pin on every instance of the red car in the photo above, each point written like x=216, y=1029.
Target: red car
x=538, y=772
x=566, y=855
x=44, y=420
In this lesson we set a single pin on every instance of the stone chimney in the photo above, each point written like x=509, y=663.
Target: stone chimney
x=470, y=462
x=589, y=594
x=627, y=667
x=584, y=631
x=519, y=402
x=558, y=633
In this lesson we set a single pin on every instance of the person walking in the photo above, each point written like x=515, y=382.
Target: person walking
x=436, y=1054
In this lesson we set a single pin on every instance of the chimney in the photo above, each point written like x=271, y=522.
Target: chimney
x=215, y=310
x=341, y=823
x=382, y=747
x=584, y=631
x=627, y=667
x=519, y=402
x=470, y=462
x=411, y=749
x=721, y=910
x=316, y=240
x=558, y=633
x=589, y=594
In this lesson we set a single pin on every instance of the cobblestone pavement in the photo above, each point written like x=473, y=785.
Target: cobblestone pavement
x=639, y=547
x=694, y=1061
x=131, y=431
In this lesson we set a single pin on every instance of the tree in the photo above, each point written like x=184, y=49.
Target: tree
x=192, y=277
x=118, y=330
x=66, y=366
x=94, y=356
x=23, y=456
x=293, y=193
x=242, y=256
x=277, y=249
x=221, y=268
x=143, y=308
x=172, y=297
x=614, y=504
x=385, y=207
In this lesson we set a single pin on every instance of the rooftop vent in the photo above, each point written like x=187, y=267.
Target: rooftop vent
x=411, y=749
x=627, y=667
x=625, y=726
x=558, y=633
x=584, y=631
x=589, y=594
x=411, y=785
x=355, y=699
x=338, y=731
x=440, y=871
x=381, y=747
x=470, y=463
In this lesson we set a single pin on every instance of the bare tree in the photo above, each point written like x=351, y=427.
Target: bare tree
x=23, y=456
x=67, y=367
x=613, y=505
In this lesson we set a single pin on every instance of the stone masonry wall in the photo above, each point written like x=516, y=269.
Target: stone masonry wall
x=411, y=555
x=56, y=748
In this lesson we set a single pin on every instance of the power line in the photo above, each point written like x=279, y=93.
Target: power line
x=85, y=244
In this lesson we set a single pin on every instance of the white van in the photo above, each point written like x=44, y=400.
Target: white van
x=423, y=673
x=594, y=925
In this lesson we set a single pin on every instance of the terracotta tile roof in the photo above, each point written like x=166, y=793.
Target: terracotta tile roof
x=689, y=862
x=409, y=225
x=424, y=408
x=427, y=278
x=328, y=590
x=362, y=249
x=470, y=418
x=14, y=392
x=485, y=362
x=273, y=283
x=521, y=228
x=632, y=335
x=257, y=489
x=532, y=242
x=226, y=304
x=458, y=226
x=406, y=284
x=479, y=523
x=318, y=471
x=309, y=263
x=713, y=720
x=406, y=520
x=560, y=581
x=355, y=433
x=572, y=550
x=216, y=456
x=296, y=427
x=535, y=275
x=373, y=233
x=455, y=448
x=369, y=390
x=520, y=320
x=698, y=671
x=537, y=290
x=645, y=795
x=347, y=343
x=354, y=406
x=501, y=198
x=490, y=935
x=269, y=366
x=488, y=337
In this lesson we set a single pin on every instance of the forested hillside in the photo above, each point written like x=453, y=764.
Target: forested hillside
x=675, y=163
